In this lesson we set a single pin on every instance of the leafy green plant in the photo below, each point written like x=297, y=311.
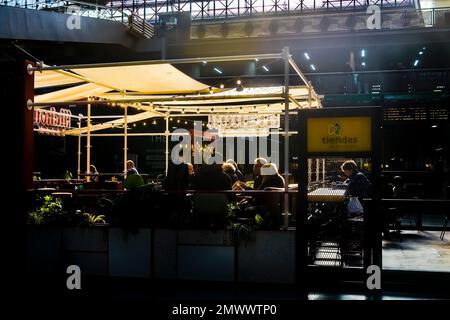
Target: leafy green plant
x=50, y=211
x=232, y=209
x=259, y=220
x=92, y=219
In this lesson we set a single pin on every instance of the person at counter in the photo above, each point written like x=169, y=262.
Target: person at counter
x=131, y=169
x=357, y=183
x=358, y=187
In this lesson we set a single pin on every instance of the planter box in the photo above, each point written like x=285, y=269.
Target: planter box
x=205, y=255
x=87, y=248
x=44, y=250
x=165, y=254
x=130, y=254
x=267, y=257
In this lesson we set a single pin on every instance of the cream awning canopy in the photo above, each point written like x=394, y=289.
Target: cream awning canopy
x=144, y=79
x=159, y=89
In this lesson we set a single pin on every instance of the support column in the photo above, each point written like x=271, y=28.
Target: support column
x=166, y=135
x=88, y=142
x=286, y=137
x=317, y=170
x=125, y=141
x=323, y=170
x=79, y=150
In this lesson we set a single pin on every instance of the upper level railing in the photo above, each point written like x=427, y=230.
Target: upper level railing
x=155, y=12
x=84, y=9
x=151, y=10
x=87, y=9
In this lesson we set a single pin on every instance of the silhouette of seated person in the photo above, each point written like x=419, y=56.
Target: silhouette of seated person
x=134, y=179
x=210, y=208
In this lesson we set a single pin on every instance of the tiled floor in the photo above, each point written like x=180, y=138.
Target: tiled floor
x=417, y=251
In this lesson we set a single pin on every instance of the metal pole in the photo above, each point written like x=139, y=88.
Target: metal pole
x=88, y=142
x=268, y=56
x=154, y=100
x=309, y=95
x=79, y=152
x=285, y=54
x=317, y=169
x=167, y=143
x=309, y=171
x=323, y=170
x=125, y=141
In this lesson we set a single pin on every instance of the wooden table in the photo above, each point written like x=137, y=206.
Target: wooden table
x=326, y=195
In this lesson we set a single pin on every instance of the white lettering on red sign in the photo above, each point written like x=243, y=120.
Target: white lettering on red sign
x=51, y=119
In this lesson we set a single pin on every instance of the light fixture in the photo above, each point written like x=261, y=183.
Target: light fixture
x=313, y=67
x=222, y=86
x=434, y=126
x=198, y=111
x=145, y=123
x=306, y=55
x=363, y=64
x=218, y=70
x=205, y=62
x=185, y=122
x=182, y=110
x=363, y=53
x=134, y=124
x=416, y=63
x=154, y=122
x=256, y=59
x=421, y=53
x=238, y=82
x=265, y=68
x=178, y=121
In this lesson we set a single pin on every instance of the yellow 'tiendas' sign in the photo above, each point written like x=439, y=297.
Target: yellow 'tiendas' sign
x=340, y=134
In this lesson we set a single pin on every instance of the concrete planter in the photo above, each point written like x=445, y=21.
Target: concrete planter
x=130, y=253
x=205, y=255
x=44, y=249
x=267, y=257
x=88, y=248
x=165, y=253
